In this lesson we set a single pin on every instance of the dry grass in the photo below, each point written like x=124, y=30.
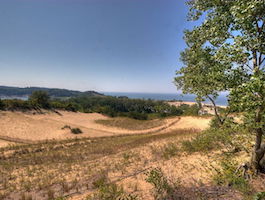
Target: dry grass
x=62, y=168
x=131, y=124
x=68, y=168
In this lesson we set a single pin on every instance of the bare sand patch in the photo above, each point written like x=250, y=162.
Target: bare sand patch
x=4, y=143
x=187, y=122
x=34, y=127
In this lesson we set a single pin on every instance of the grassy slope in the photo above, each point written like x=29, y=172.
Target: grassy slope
x=131, y=124
x=39, y=168
x=69, y=168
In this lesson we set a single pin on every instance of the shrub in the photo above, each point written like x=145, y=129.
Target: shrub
x=138, y=115
x=228, y=175
x=207, y=140
x=76, y=130
x=192, y=110
x=229, y=122
x=170, y=150
x=109, y=191
x=66, y=127
x=40, y=99
x=259, y=196
x=163, y=189
x=71, y=107
x=16, y=104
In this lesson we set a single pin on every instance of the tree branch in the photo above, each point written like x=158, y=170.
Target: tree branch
x=215, y=109
x=262, y=60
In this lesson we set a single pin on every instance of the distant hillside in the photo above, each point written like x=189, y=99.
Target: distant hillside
x=6, y=91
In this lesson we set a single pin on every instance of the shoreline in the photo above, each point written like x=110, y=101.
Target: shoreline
x=190, y=103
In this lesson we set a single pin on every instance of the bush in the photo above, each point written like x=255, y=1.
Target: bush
x=71, y=107
x=259, y=196
x=228, y=175
x=170, y=150
x=163, y=189
x=16, y=104
x=228, y=123
x=109, y=191
x=76, y=131
x=192, y=110
x=137, y=115
x=40, y=99
x=208, y=140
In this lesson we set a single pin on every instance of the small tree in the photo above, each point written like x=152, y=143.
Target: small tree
x=40, y=99
x=227, y=52
x=203, y=75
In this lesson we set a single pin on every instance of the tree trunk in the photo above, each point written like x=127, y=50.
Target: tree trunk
x=258, y=158
x=220, y=120
x=258, y=155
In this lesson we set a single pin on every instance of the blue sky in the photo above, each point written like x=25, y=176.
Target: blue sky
x=102, y=45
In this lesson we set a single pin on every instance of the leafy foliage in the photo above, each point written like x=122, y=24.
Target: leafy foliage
x=163, y=189
x=226, y=52
x=39, y=99
x=133, y=108
x=208, y=140
x=259, y=196
x=16, y=104
x=107, y=191
x=229, y=176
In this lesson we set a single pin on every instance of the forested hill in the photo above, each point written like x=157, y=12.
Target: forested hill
x=7, y=91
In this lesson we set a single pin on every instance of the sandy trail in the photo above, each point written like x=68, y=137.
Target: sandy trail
x=26, y=127
x=188, y=122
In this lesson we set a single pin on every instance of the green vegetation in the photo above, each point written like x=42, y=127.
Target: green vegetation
x=73, y=130
x=208, y=140
x=163, y=188
x=2, y=105
x=132, y=108
x=76, y=131
x=226, y=52
x=107, y=190
x=53, y=92
x=111, y=106
x=259, y=196
x=192, y=110
x=41, y=168
x=40, y=99
x=228, y=175
x=16, y=104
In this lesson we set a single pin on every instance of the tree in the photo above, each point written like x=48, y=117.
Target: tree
x=40, y=99
x=203, y=76
x=226, y=52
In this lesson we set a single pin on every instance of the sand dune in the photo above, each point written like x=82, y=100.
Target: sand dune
x=29, y=127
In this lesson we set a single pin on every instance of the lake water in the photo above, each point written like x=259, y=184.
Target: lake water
x=222, y=100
